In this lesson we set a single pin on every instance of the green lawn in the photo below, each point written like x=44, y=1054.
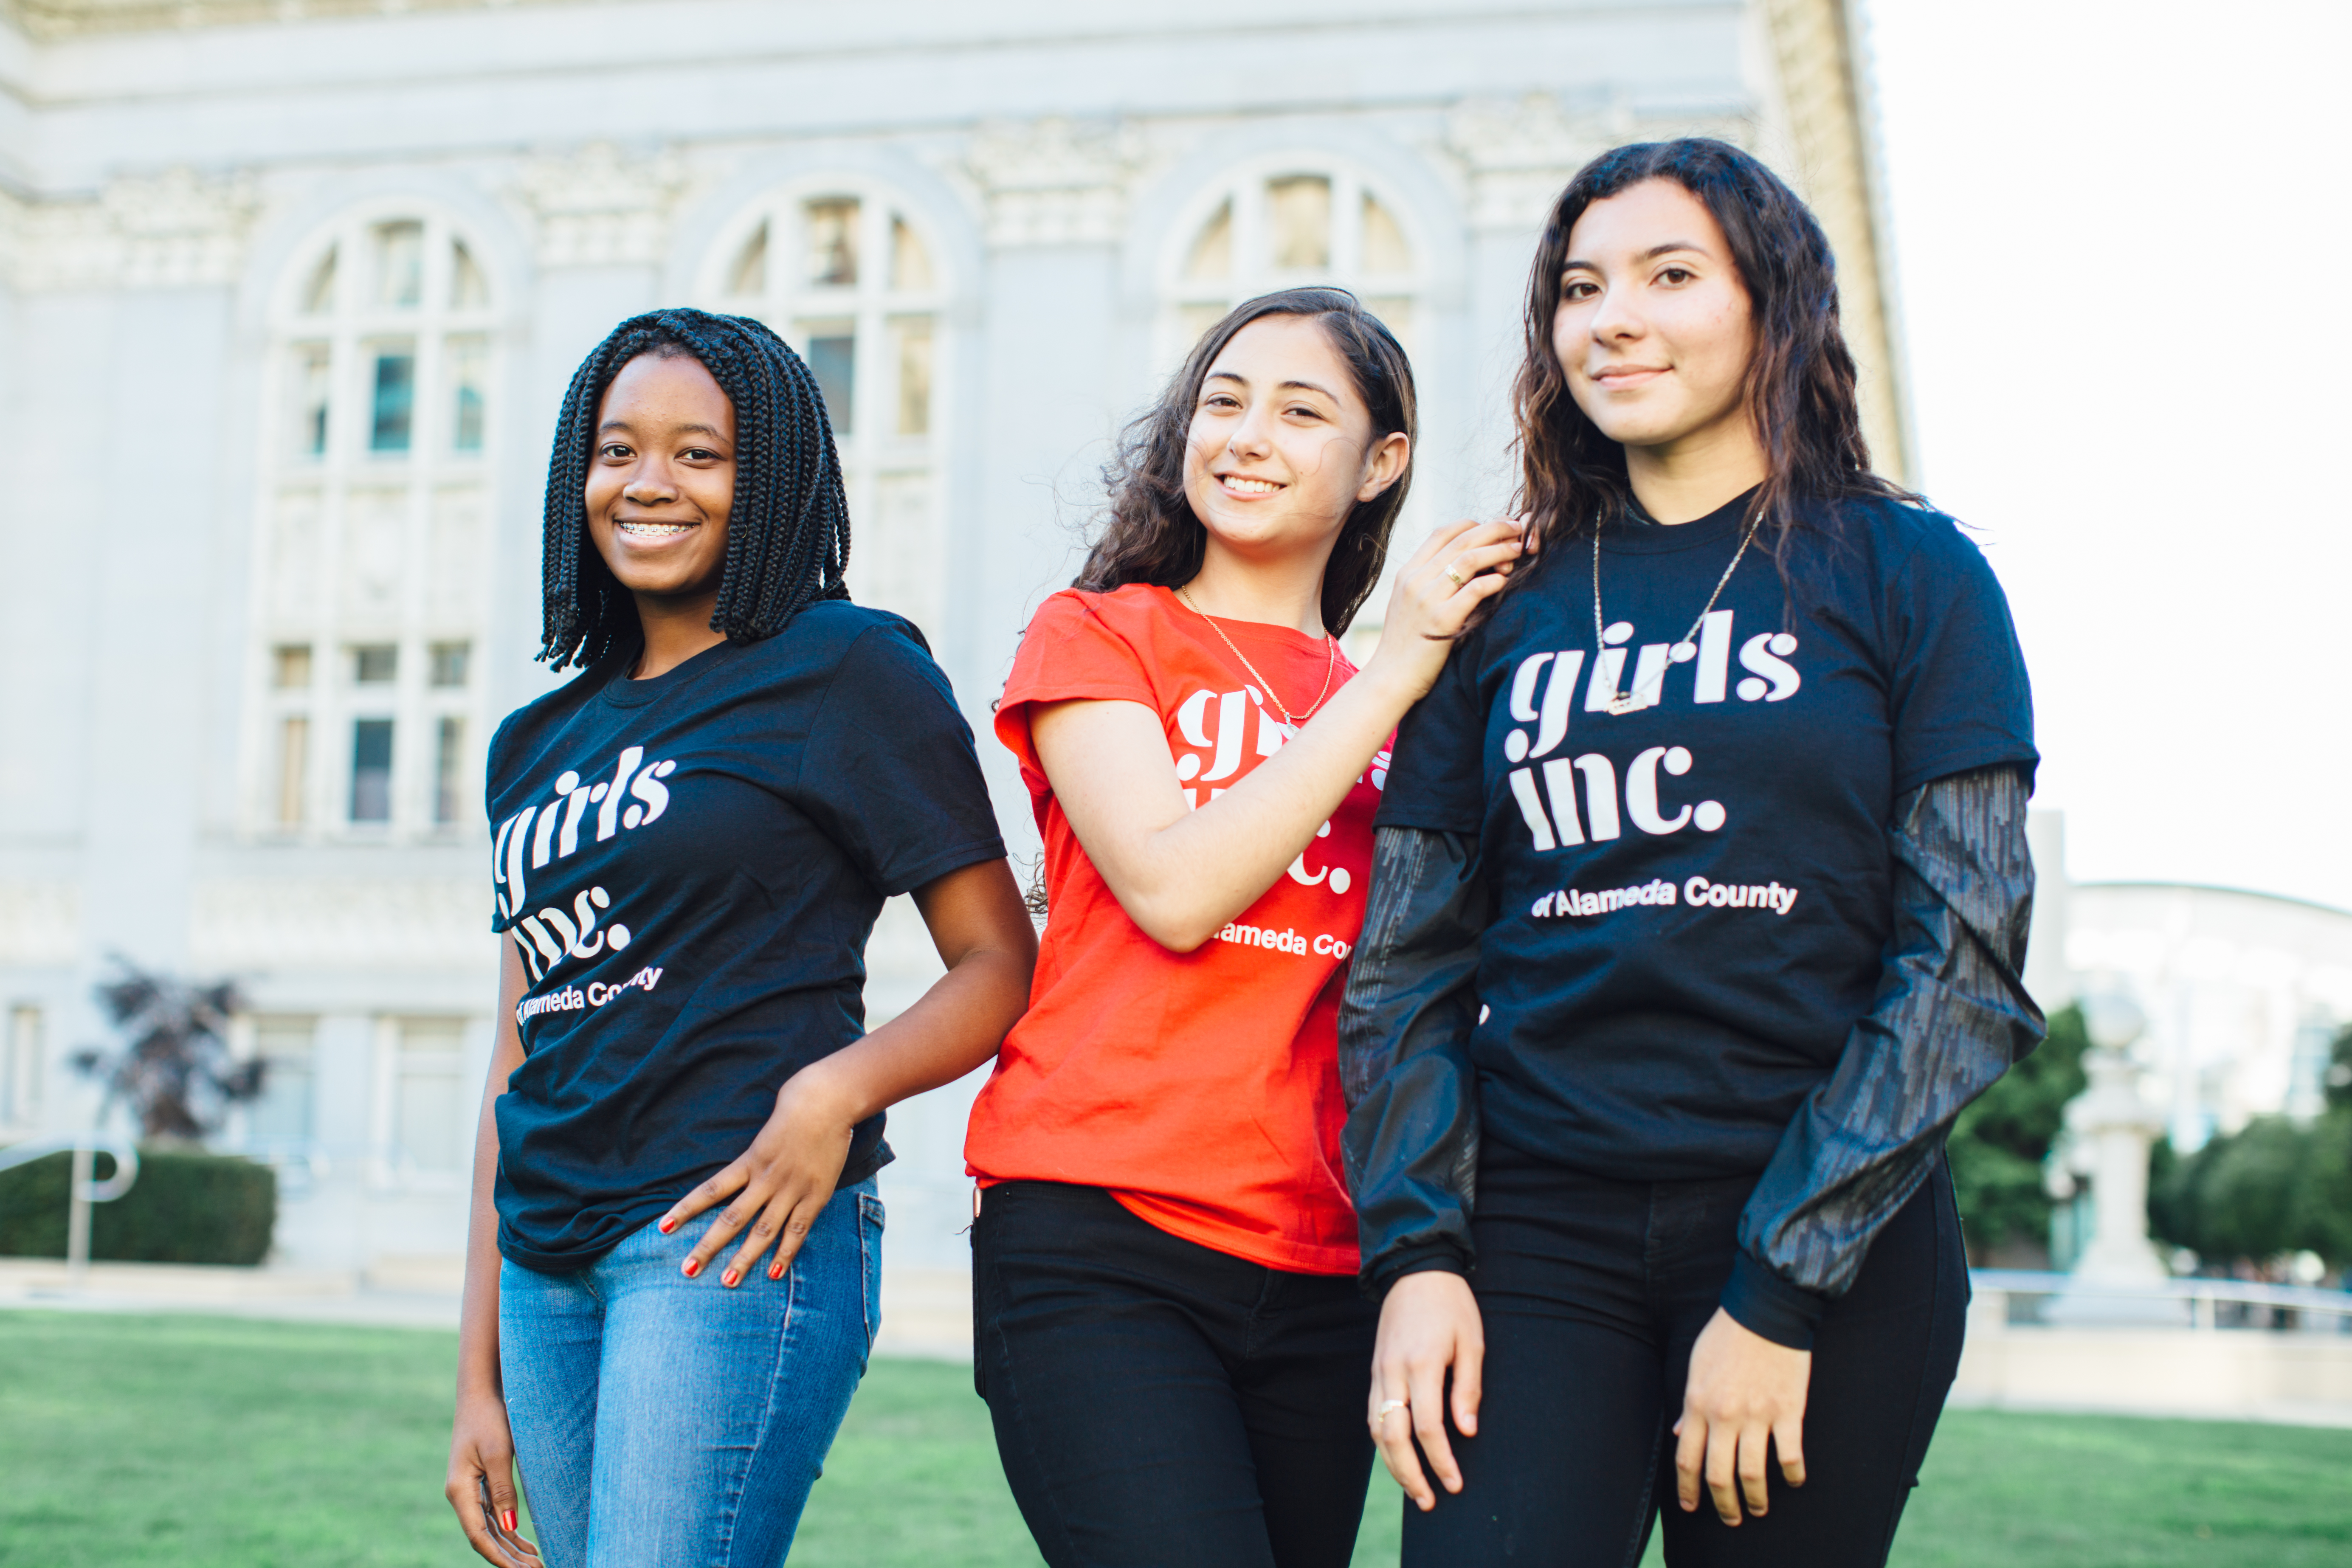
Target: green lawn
x=210, y=1442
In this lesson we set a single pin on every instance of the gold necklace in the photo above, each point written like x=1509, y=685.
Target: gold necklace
x=1331, y=663
x=1622, y=702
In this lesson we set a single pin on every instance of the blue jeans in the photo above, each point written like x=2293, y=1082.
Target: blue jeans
x=663, y=1420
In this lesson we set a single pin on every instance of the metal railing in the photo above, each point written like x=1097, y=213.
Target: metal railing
x=2203, y=1299
x=82, y=1188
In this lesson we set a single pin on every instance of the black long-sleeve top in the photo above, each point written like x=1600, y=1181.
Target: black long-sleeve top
x=1951, y=1013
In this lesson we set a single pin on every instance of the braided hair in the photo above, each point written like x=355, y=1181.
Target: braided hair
x=788, y=533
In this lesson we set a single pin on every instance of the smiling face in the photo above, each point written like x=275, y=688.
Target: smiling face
x=662, y=481
x=1654, y=330
x=1281, y=447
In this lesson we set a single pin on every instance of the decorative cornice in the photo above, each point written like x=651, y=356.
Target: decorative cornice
x=1053, y=182
x=176, y=229
x=598, y=206
x=1519, y=152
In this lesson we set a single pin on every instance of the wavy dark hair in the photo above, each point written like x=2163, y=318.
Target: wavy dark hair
x=1800, y=381
x=788, y=531
x=1149, y=532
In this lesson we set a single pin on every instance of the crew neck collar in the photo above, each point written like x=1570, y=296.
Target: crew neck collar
x=1635, y=532
x=623, y=692
x=1266, y=631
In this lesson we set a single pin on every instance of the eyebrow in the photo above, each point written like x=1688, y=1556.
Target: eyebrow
x=1572, y=263
x=683, y=429
x=1302, y=385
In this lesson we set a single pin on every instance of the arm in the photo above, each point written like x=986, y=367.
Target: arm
x=481, y=1446
x=1951, y=1015
x=982, y=932
x=1182, y=874
x=1412, y=1140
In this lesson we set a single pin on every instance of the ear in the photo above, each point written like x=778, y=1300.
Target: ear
x=1385, y=464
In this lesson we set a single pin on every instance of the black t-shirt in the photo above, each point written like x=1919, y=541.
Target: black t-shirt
x=690, y=865
x=1692, y=895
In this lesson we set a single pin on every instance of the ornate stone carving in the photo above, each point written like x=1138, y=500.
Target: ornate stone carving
x=1054, y=182
x=275, y=923
x=175, y=229
x=1520, y=154
x=40, y=923
x=599, y=206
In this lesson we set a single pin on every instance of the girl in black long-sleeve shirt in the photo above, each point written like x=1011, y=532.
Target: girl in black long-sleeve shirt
x=1698, y=907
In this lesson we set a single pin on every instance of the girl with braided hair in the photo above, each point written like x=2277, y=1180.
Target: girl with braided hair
x=693, y=839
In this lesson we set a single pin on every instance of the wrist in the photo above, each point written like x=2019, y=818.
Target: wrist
x=828, y=1090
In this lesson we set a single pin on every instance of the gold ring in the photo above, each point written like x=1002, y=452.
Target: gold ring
x=1456, y=578
x=1386, y=1405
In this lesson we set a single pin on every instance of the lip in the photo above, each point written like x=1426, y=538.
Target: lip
x=1618, y=377
x=647, y=532
x=1227, y=482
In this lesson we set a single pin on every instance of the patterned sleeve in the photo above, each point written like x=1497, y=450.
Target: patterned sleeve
x=1952, y=1013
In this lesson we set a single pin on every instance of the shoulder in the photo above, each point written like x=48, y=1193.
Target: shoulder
x=551, y=709
x=1125, y=613
x=1900, y=535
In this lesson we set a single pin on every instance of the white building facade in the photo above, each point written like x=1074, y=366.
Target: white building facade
x=290, y=291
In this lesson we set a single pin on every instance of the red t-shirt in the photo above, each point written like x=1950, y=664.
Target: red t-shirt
x=1201, y=1089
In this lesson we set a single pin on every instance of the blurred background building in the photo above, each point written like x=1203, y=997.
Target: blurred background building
x=289, y=290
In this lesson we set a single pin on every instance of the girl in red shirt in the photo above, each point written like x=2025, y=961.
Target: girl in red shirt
x=1168, y=1331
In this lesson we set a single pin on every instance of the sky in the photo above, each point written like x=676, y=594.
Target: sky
x=2123, y=246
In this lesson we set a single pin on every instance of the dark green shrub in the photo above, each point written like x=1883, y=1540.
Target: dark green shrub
x=2000, y=1142
x=185, y=1207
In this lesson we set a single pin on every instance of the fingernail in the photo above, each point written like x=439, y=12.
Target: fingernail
x=509, y=1517
x=776, y=1271
x=729, y=1277
x=693, y=1267
x=667, y=1226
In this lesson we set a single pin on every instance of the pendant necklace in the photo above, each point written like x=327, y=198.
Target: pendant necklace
x=1623, y=702
x=1329, y=664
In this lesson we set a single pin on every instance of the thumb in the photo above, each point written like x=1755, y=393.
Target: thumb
x=497, y=1473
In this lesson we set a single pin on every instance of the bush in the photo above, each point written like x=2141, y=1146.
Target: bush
x=2273, y=1186
x=185, y=1207
x=2000, y=1143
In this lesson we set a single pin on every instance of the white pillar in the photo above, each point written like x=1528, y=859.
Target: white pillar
x=2117, y=1126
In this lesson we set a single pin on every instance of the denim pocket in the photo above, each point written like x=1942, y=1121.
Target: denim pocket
x=870, y=1216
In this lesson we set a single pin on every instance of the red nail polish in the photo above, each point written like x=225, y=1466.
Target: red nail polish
x=509, y=1517
x=693, y=1267
x=728, y=1278
x=776, y=1271
x=667, y=1226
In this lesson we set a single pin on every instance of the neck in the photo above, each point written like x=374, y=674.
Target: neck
x=675, y=629
x=1285, y=591
x=1686, y=479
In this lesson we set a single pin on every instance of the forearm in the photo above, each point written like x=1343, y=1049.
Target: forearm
x=1411, y=1144
x=1951, y=1016
x=1182, y=873
x=983, y=934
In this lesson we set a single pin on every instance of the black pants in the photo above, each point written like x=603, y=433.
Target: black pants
x=1158, y=1401
x=1592, y=1292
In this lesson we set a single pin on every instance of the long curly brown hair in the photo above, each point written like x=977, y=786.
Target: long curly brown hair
x=1149, y=532
x=1800, y=382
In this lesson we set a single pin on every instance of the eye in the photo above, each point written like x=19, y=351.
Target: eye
x=1676, y=275
x=615, y=451
x=701, y=454
x=1304, y=411
x=1578, y=289
x=1221, y=401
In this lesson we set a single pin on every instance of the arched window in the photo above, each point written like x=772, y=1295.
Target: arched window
x=844, y=271
x=373, y=537
x=1282, y=224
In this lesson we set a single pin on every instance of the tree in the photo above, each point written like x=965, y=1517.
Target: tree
x=2273, y=1186
x=2000, y=1143
x=175, y=1069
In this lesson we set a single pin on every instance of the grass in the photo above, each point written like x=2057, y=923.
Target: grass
x=215, y=1443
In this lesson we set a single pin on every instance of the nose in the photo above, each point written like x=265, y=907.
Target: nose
x=1252, y=433
x=651, y=484
x=1614, y=320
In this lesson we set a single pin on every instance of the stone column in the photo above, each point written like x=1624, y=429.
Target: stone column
x=2117, y=1126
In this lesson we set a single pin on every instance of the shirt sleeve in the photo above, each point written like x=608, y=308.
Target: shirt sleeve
x=1410, y=1144
x=1437, y=779
x=890, y=772
x=1957, y=690
x=1952, y=1013
x=1072, y=651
